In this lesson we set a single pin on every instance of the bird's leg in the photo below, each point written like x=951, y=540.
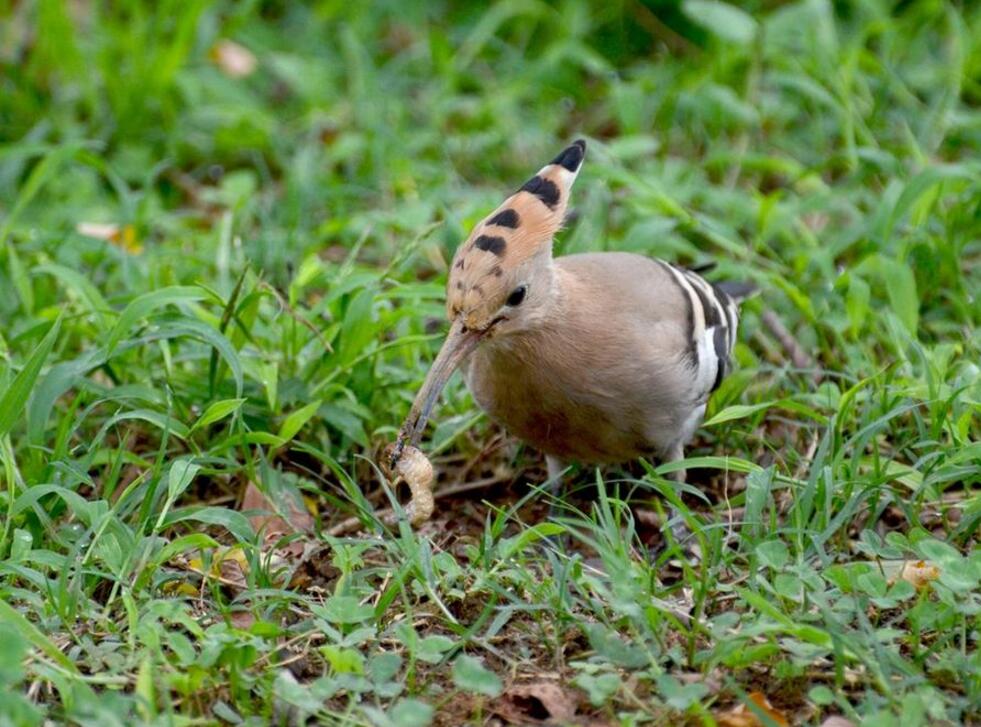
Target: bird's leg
x=679, y=530
x=556, y=468
x=676, y=454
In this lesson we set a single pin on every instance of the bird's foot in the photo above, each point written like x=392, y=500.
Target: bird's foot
x=678, y=549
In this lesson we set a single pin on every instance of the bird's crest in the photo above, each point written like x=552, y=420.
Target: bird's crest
x=520, y=228
x=532, y=215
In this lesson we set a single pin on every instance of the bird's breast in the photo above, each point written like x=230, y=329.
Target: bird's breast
x=566, y=402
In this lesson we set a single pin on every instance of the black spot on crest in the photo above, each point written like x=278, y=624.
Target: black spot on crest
x=571, y=156
x=544, y=189
x=491, y=243
x=497, y=271
x=459, y=264
x=506, y=218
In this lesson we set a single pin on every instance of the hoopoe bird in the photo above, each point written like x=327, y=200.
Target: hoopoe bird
x=595, y=358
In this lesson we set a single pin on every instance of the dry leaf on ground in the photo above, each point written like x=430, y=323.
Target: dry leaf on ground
x=743, y=716
x=234, y=59
x=540, y=702
x=228, y=566
x=242, y=620
x=919, y=573
x=712, y=680
x=123, y=237
x=273, y=527
x=837, y=721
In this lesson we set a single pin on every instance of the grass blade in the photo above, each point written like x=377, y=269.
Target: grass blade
x=14, y=399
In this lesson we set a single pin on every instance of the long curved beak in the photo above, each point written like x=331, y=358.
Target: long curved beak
x=459, y=343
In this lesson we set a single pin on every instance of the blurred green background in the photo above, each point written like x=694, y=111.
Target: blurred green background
x=240, y=214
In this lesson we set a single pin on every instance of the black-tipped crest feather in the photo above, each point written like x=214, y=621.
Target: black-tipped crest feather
x=571, y=157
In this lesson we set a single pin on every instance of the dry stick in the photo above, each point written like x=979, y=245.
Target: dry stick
x=656, y=27
x=798, y=356
x=186, y=183
x=284, y=304
x=801, y=360
x=805, y=463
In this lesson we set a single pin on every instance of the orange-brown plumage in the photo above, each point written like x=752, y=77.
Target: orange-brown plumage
x=486, y=266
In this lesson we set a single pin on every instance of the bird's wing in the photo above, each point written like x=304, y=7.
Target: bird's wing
x=712, y=320
x=654, y=292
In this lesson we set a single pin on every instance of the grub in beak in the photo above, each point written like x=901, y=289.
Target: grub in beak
x=417, y=472
x=459, y=343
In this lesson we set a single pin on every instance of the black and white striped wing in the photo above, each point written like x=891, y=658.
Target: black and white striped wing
x=712, y=318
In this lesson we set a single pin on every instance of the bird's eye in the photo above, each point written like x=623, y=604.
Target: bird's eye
x=517, y=295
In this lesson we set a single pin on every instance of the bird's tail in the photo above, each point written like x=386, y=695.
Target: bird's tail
x=738, y=290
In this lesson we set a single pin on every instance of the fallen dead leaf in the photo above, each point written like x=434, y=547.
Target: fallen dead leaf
x=273, y=527
x=919, y=573
x=98, y=230
x=179, y=588
x=229, y=566
x=712, y=680
x=242, y=620
x=234, y=59
x=538, y=702
x=123, y=237
x=837, y=721
x=743, y=716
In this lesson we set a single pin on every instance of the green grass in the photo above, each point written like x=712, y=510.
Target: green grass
x=273, y=295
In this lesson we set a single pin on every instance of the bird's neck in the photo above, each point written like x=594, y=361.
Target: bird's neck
x=550, y=299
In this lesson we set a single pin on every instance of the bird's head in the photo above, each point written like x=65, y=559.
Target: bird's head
x=500, y=281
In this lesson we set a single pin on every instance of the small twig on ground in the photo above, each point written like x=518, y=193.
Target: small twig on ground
x=805, y=463
x=646, y=19
x=494, y=442
x=284, y=304
x=798, y=356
